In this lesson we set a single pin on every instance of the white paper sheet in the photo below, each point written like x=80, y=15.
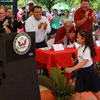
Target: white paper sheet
x=98, y=43
x=58, y=47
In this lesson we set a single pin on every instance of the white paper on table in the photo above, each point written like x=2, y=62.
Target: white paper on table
x=77, y=45
x=58, y=47
x=98, y=43
x=45, y=48
x=71, y=45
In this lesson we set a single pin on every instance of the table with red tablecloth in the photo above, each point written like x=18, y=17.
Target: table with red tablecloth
x=97, y=58
x=51, y=58
x=63, y=58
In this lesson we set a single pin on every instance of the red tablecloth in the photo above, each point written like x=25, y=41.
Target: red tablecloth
x=51, y=58
x=97, y=58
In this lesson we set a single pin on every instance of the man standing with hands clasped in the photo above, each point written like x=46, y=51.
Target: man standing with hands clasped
x=39, y=24
x=84, y=16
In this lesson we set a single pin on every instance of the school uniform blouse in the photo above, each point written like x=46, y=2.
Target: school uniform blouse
x=85, y=55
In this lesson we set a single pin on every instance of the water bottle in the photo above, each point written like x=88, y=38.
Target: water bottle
x=99, y=37
x=65, y=42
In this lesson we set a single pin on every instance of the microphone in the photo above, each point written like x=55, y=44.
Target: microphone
x=73, y=58
x=74, y=62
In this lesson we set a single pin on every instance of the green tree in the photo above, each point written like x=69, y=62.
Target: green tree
x=21, y=3
x=49, y=3
x=95, y=4
x=46, y=3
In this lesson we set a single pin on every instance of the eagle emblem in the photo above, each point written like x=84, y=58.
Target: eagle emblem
x=22, y=43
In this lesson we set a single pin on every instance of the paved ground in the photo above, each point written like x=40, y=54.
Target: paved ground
x=47, y=95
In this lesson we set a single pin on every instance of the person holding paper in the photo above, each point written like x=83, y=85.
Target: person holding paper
x=67, y=30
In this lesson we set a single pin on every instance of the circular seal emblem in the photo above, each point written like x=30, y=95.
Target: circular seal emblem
x=21, y=43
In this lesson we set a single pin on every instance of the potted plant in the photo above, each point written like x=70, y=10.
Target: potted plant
x=58, y=84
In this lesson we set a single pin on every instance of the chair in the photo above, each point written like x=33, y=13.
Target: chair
x=50, y=42
x=97, y=66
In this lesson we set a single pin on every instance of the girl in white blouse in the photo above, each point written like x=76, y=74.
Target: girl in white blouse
x=87, y=78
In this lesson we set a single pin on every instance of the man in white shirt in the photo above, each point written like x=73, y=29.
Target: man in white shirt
x=39, y=24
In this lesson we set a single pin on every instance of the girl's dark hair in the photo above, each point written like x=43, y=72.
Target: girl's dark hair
x=88, y=41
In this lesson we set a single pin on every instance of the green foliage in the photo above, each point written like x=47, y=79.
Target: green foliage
x=59, y=78
x=58, y=84
x=47, y=82
x=95, y=4
x=21, y=3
